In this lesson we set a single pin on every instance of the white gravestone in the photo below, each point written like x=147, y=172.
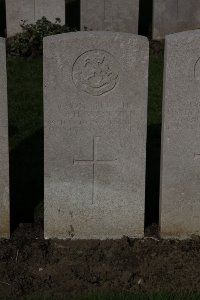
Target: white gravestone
x=171, y=16
x=4, y=165
x=95, y=107
x=30, y=11
x=180, y=170
x=111, y=15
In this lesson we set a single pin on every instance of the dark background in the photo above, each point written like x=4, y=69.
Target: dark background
x=2, y=18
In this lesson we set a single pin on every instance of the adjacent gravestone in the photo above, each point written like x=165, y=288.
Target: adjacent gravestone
x=51, y=9
x=4, y=166
x=18, y=11
x=111, y=15
x=95, y=106
x=180, y=170
x=171, y=16
x=30, y=11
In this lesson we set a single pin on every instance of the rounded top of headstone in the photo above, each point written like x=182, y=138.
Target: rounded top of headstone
x=183, y=35
x=96, y=34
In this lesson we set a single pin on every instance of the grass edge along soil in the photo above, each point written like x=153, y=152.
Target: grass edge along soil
x=127, y=296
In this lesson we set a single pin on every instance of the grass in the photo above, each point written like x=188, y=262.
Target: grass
x=129, y=296
x=154, y=138
x=25, y=98
x=25, y=102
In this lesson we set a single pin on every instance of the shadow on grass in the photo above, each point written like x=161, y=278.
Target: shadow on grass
x=152, y=174
x=26, y=179
x=137, y=295
x=141, y=295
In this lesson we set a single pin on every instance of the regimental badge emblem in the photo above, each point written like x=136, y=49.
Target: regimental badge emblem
x=96, y=72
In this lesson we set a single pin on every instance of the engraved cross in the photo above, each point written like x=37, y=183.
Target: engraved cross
x=93, y=162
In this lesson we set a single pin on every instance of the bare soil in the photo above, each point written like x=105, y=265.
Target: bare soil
x=30, y=265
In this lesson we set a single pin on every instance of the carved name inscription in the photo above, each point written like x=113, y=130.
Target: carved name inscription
x=95, y=72
x=119, y=120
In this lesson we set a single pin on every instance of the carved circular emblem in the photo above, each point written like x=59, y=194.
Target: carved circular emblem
x=95, y=72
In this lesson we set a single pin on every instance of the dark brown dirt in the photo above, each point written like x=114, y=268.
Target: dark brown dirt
x=29, y=265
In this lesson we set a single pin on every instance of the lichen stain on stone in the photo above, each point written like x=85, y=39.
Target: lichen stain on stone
x=176, y=232
x=71, y=231
x=5, y=226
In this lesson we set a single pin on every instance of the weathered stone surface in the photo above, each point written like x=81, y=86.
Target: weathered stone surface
x=16, y=12
x=180, y=176
x=51, y=9
x=4, y=165
x=95, y=107
x=171, y=16
x=30, y=11
x=111, y=15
